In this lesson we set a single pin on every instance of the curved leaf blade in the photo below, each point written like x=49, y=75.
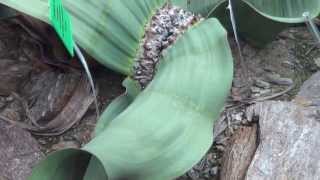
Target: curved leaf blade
x=267, y=17
x=68, y=164
x=112, y=30
x=287, y=11
x=36, y=8
x=109, y=30
x=168, y=127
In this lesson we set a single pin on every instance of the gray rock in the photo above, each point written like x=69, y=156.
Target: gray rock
x=19, y=152
x=277, y=79
x=289, y=136
x=317, y=61
x=261, y=84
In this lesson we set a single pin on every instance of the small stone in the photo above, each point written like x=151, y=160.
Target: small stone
x=265, y=91
x=237, y=116
x=277, y=79
x=139, y=72
x=255, y=90
x=9, y=99
x=287, y=64
x=65, y=144
x=2, y=104
x=220, y=147
x=150, y=54
x=214, y=171
x=261, y=84
x=317, y=61
x=194, y=175
x=42, y=141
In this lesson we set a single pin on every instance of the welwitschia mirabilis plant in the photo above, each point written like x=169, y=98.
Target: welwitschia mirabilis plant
x=179, y=69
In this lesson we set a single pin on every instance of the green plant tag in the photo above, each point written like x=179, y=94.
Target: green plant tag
x=61, y=22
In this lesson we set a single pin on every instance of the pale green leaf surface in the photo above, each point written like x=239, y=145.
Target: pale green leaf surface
x=109, y=30
x=168, y=127
x=258, y=21
x=116, y=107
x=112, y=30
x=259, y=31
x=287, y=11
x=68, y=164
x=36, y=8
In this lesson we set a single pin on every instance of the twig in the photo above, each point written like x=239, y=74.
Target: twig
x=15, y=123
x=311, y=49
x=260, y=99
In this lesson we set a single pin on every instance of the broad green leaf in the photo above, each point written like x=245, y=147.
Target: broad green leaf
x=109, y=30
x=168, y=127
x=258, y=21
x=116, y=107
x=68, y=164
x=287, y=11
x=36, y=8
x=257, y=31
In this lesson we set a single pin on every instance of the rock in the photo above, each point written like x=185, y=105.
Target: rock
x=255, y=90
x=277, y=79
x=317, y=61
x=289, y=136
x=12, y=109
x=261, y=84
x=65, y=144
x=264, y=92
x=289, y=144
x=19, y=152
x=311, y=89
x=3, y=102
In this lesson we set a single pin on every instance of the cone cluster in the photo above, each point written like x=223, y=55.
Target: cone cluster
x=166, y=25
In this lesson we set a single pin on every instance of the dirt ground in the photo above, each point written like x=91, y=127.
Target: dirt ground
x=282, y=65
